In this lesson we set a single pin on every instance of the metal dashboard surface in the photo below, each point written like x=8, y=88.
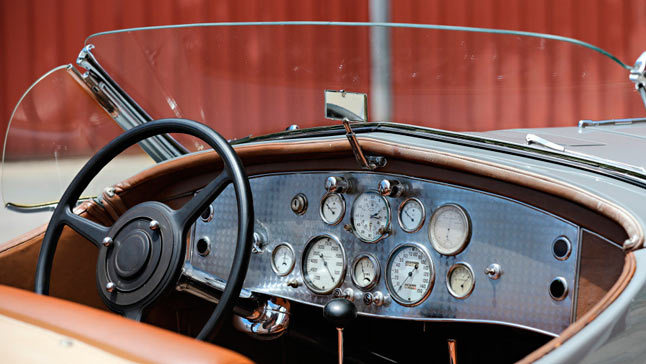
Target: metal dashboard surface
x=514, y=235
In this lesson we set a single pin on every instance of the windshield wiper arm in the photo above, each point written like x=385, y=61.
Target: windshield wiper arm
x=535, y=139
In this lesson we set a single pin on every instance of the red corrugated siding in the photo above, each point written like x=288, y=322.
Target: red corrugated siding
x=37, y=35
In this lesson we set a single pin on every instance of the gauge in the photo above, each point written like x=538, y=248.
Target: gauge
x=410, y=274
x=282, y=259
x=332, y=208
x=460, y=280
x=370, y=217
x=323, y=264
x=411, y=215
x=450, y=229
x=365, y=271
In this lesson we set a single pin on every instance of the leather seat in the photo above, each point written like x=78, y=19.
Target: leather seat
x=111, y=334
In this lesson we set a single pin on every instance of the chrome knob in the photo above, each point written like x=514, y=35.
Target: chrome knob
x=390, y=188
x=154, y=225
x=379, y=299
x=337, y=184
x=110, y=287
x=493, y=271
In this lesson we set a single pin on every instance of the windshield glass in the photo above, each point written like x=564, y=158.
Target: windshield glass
x=252, y=79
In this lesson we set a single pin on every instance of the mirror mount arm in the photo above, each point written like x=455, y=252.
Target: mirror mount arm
x=370, y=163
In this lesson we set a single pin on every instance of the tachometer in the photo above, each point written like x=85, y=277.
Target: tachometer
x=370, y=217
x=410, y=274
x=323, y=264
x=450, y=229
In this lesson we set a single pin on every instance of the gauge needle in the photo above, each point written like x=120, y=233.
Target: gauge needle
x=410, y=274
x=326, y=267
x=407, y=214
x=329, y=208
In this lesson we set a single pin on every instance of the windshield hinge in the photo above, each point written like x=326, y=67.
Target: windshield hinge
x=638, y=76
x=535, y=139
x=366, y=162
x=94, y=85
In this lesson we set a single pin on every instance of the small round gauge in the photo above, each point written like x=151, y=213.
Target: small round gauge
x=411, y=215
x=450, y=229
x=282, y=259
x=370, y=217
x=410, y=274
x=365, y=271
x=460, y=280
x=332, y=208
x=323, y=264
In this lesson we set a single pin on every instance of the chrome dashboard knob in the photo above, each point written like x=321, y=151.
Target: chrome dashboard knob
x=390, y=188
x=337, y=184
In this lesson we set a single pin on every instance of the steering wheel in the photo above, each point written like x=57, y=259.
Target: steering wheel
x=141, y=254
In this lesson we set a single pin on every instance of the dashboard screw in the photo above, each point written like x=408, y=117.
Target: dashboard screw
x=110, y=287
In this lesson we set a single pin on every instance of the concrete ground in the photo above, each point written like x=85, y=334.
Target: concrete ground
x=35, y=182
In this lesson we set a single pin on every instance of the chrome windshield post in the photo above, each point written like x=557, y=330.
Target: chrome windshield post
x=638, y=76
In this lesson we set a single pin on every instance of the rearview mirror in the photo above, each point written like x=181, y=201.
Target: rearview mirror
x=341, y=105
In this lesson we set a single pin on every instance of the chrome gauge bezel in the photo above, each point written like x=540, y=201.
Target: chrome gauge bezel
x=448, y=280
x=343, y=207
x=391, y=289
x=306, y=249
x=377, y=266
x=431, y=236
x=400, y=210
x=273, y=263
x=388, y=216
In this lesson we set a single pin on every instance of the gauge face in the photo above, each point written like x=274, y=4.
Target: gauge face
x=411, y=215
x=323, y=264
x=460, y=280
x=450, y=229
x=370, y=217
x=282, y=259
x=410, y=274
x=332, y=208
x=365, y=271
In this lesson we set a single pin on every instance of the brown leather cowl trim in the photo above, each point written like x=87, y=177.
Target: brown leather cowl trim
x=626, y=275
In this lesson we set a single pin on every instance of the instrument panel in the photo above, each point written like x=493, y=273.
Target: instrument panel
x=398, y=247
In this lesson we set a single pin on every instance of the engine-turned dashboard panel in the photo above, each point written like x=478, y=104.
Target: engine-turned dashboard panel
x=399, y=247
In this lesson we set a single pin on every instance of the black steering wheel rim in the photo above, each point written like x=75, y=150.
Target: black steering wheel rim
x=175, y=223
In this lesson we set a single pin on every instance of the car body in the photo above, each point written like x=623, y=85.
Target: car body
x=459, y=213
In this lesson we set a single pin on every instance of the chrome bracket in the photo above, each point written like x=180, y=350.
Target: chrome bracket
x=366, y=162
x=638, y=76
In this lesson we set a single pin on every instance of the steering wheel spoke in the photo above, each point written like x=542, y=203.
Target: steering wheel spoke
x=134, y=313
x=187, y=214
x=90, y=230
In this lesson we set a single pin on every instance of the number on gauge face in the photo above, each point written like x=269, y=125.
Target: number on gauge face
x=450, y=229
x=370, y=217
x=460, y=280
x=411, y=215
x=365, y=271
x=282, y=259
x=410, y=274
x=332, y=208
x=323, y=264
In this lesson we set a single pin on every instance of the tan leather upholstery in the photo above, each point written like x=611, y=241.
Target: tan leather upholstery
x=108, y=332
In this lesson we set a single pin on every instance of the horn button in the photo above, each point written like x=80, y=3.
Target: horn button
x=131, y=253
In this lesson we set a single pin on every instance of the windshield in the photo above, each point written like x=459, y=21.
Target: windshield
x=252, y=79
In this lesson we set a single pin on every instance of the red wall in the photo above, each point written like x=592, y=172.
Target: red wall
x=37, y=35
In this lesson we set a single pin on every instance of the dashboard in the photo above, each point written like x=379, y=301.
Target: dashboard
x=398, y=247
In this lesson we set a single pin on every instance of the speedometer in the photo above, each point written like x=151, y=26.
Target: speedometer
x=370, y=217
x=410, y=274
x=323, y=264
x=450, y=229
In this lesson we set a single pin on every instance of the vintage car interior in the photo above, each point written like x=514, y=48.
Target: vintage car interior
x=411, y=246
